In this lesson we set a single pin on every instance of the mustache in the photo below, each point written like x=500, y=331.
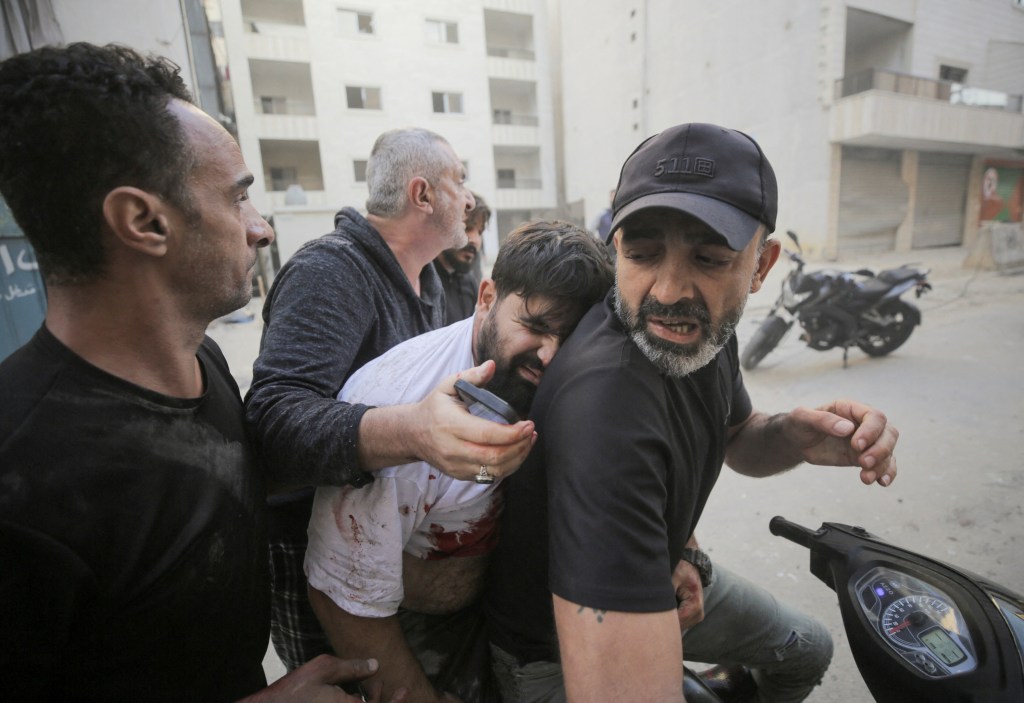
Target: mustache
x=684, y=308
x=529, y=361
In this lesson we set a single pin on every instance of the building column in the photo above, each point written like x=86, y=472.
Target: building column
x=972, y=212
x=908, y=174
x=830, y=251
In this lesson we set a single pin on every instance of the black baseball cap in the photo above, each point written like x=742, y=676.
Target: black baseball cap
x=716, y=174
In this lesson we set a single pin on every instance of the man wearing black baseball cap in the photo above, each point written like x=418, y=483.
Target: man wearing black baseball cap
x=597, y=575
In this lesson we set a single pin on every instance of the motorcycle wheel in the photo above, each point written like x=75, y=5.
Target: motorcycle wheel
x=766, y=338
x=879, y=341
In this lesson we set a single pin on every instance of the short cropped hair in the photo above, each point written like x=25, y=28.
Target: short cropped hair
x=479, y=216
x=397, y=157
x=75, y=123
x=557, y=260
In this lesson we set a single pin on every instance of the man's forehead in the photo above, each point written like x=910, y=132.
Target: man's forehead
x=213, y=145
x=658, y=223
x=553, y=312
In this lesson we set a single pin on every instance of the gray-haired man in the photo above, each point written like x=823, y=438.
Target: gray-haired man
x=339, y=302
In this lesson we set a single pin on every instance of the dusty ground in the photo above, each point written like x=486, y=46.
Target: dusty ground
x=953, y=390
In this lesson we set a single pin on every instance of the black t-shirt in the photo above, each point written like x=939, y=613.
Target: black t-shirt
x=133, y=562
x=460, y=293
x=623, y=466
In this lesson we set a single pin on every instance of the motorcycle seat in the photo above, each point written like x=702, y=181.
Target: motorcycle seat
x=886, y=280
x=898, y=275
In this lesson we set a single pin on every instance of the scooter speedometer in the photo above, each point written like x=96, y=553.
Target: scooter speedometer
x=918, y=621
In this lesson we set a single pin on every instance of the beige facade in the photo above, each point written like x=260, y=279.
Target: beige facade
x=880, y=117
x=313, y=82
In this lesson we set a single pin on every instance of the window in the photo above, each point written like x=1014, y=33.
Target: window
x=355, y=22
x=283, y=176
x=362, y=97
x=953, y=74
x=359, y=170
x=273, y=105
x=441, y=32
x=447, y=102
x=502, y=116
x=506, y=178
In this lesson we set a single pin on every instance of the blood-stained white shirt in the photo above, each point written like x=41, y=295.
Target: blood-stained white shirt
x=357, y=535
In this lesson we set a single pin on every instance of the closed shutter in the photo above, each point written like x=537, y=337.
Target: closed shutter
x=872, y=200
x=941, y=200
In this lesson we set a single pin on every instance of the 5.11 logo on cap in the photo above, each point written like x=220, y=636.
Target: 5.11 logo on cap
x=685, y=166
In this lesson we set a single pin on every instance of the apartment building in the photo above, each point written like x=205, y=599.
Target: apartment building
x=309, y=84
x=892, y=124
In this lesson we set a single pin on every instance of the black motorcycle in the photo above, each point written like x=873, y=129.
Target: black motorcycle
x=841, y=309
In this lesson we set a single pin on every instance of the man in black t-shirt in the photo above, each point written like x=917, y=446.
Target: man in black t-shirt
x=592, y=581
x=132, y=515
x=459, y=268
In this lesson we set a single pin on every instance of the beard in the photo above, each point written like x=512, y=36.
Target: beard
x=458, y=265
x=507, y=384
x=673, y=359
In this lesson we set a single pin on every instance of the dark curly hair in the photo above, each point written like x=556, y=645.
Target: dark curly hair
x=479, y=216
x=557, y=260
x=75, y=123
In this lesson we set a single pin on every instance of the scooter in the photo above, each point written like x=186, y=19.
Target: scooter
x=920, y=630
x=840, y=309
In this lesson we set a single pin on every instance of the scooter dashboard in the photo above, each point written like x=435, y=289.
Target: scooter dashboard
x=917, y=621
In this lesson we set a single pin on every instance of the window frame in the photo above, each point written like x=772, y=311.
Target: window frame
x=442, y=32
x=365, y=93
x=447, y=97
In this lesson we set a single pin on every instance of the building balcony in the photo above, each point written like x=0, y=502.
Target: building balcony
x=519, y=6
x=896, y=111
x=511, y=68
x=524, y=133
x=287, y=127
x=280, y=200
x=528, y=194
x=276, y=42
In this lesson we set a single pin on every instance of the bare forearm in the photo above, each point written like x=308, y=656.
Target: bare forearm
x=378, y=638
x=760, y=447
x=613, y=656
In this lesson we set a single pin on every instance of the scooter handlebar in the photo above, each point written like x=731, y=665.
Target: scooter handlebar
x=781, y=527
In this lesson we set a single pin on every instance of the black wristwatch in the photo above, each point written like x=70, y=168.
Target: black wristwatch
x=701, y=561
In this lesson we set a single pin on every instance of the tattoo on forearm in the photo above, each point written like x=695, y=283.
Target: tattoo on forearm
x=599, y=614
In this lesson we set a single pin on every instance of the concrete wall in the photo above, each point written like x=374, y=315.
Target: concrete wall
x=631, y=69
x=155, y=26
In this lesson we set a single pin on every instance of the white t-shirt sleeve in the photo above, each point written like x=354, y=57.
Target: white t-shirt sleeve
x=356, y=539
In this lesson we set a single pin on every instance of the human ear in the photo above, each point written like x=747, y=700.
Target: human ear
x=137, y=219
x=421, y=195
x=766, y=259
x=486, y=296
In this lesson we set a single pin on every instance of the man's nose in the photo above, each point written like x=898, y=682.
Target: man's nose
x=548, y=349
x=674, y=283
x=260, y=233
x=470, y=201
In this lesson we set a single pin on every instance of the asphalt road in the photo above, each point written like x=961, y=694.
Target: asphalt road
x=953, y=390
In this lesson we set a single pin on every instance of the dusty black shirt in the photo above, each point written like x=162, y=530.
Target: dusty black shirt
x=624, y=463
x=133, y=562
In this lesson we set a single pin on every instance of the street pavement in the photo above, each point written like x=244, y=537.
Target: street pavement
x=953, y=390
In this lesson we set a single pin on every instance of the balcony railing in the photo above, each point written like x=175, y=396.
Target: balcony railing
x=508, y=117
x=283, y=106
x=519, y=183
x=510, y=52
x=944, y=91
